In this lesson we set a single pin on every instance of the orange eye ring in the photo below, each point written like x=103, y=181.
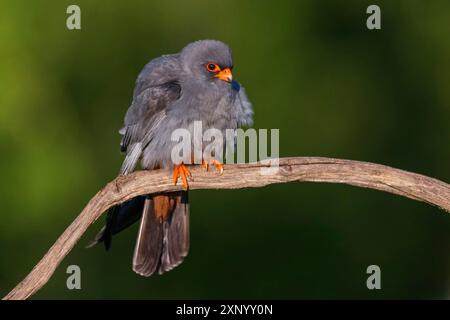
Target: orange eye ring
x=212, y=67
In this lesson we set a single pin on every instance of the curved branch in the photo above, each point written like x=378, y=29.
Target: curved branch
x=314, y=169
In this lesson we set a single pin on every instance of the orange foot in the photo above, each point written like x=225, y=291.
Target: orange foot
x=182, y=171
x=216, y=163
x=218, y=166
x=204, y=165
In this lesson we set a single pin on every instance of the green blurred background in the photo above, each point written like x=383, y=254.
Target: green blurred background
x=311, y=69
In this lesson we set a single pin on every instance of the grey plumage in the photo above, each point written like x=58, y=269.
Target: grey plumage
x=172, y=92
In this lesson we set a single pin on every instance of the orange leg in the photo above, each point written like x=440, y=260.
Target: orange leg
x=181, y=171
x=216, y=163
x=218, y=166
x=204, y=164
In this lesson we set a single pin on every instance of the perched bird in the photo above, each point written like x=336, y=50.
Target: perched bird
x=171, y=92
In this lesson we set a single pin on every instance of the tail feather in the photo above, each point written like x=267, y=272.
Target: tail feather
x=176, y=235
x=163, y=239
x=149, y=243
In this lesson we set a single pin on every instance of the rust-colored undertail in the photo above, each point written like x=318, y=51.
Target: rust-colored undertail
x=163, y=238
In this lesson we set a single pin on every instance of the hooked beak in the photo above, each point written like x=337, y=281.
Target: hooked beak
x=225, y=75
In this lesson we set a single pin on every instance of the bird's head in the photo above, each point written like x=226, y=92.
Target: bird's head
x=208, y=60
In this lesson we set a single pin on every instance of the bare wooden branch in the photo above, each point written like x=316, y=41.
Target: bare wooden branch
x=314, y=169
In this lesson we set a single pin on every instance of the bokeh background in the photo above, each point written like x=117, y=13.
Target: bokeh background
x=311, y=69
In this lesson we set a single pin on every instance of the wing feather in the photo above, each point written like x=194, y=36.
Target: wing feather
x=156, y=88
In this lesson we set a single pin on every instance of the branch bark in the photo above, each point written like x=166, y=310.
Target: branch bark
x=312, y=169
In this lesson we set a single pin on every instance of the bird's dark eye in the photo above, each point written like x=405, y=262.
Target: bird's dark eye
x=212, y=67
